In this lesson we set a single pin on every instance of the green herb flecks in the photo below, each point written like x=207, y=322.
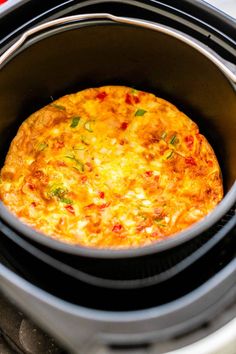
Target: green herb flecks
x=144, y=217
x=164, y=135
x=169, y=155
x=58, y=106
x=173, y=140
x=159, y=222
x=79, y=168
x=79, y=165
x=78, y=148
x=60, y=194
x=75, y=122
x=83, y=140
x=140, y=112
x=66, y=200
x=42, y=146
x=89, y=125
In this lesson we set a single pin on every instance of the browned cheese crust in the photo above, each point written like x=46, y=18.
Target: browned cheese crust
x=110, y=167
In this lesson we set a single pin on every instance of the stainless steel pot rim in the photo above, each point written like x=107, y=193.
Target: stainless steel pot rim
x=170, y=242
x=177, y=239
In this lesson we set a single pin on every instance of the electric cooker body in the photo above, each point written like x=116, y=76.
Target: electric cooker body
x=186, y=293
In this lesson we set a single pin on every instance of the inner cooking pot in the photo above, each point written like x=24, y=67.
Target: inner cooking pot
x=66, y=57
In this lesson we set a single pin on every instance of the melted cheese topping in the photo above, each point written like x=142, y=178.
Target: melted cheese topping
x=110, y=167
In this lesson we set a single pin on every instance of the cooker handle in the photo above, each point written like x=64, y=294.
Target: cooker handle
x=216, y=59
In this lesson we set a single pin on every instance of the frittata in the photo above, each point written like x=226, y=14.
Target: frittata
x=110, y=167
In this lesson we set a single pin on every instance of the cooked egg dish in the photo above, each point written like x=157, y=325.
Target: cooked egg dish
x=110, y=167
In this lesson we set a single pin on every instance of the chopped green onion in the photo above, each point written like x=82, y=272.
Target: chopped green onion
x=134, y=91
x=79, y=168
x=159, y=222
x=164, y=135
x=66, y=200
x=83, y=140
x=88, y=125
x=80, y=165
x=42, y=146
x=74, y=122
x=78, y=148
x=58, y=192
x=140, y=112
x=169, y=155
x=144, y=217
x=58, y=106
x=173, y=140
x=71, y=157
